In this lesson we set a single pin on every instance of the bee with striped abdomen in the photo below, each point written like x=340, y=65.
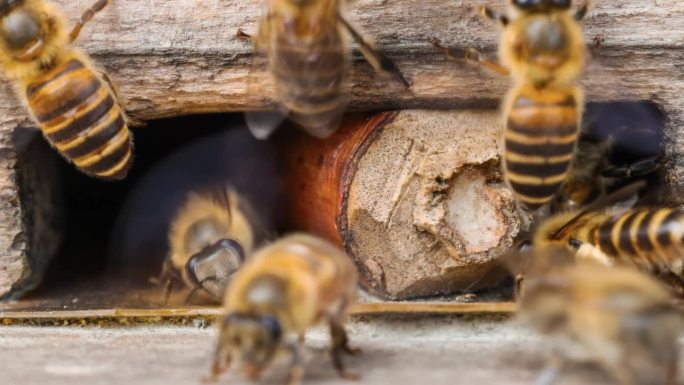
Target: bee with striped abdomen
x=208, y=241
x=74, y=106
x=542, y=49
x=307, y=57
x=650, y=238
x=619, y=319
x=284, y=289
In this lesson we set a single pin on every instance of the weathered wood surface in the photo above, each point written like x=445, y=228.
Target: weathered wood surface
x=419, y=215
x=181, y=56
x=177, y=57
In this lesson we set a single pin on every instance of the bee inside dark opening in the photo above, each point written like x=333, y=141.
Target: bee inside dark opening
x=116, y=233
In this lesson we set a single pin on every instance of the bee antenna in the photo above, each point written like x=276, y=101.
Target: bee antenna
x=614, y=197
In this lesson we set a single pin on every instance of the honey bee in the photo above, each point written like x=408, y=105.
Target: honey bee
x=584, y=182
x=73, y=103
x=308, y=59
x=592, y=176
x=208, y=240
x=619, y=319
x=649, y=238
x=542, y=50
x=285, y=288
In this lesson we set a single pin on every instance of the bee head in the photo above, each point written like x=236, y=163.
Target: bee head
x=21, y=32
x=254, y=339
x=541, y=5
x=211, y=268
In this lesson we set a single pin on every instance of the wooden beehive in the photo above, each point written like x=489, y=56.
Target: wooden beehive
x=180, y=57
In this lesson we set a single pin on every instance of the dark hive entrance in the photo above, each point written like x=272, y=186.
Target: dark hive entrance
x=92, y=264
x=114, y=237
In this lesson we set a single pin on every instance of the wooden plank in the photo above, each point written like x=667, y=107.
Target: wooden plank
x=183, y=58
x=134, y=315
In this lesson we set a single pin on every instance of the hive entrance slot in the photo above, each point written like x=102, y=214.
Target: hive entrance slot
x=88, y=270
x=95, y=269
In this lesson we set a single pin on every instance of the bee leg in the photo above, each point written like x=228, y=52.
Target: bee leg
x=492, y=15
x=340, y=341
x=220, y=364
x=296, y=373
x=518, y=286
x=86, y=17
x=673, y=280
x=165, y=278
x=471, y=54
x=340, y=344
x=130, y=120
x=640, y=167
x=242, y=35
x=582, y=11
x=190, y=295
x=475, y=56
x=379, y=61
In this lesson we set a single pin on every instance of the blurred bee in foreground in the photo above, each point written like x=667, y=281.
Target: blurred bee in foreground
x=617, y=318
x=73, y=103
x=208, y=241
x=282, y=290
x=308, y=59
x=649, y=238
x=543, y=50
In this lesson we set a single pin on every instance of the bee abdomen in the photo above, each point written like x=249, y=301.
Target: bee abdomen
x=310, y=83
x=81, y=118
x=647, y=237
x=540, y=136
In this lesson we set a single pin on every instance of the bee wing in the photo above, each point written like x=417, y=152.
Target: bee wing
x=261, y=89
x=263, y=123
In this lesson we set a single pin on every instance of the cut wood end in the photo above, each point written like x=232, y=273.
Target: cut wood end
x=427, y=215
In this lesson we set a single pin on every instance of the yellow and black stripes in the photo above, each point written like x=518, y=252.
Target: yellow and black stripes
x=539, y=140
x=647, y=237
x=81, y=118
x=310, y=79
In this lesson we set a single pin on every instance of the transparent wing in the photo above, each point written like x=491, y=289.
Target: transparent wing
x=263, y=123
x=264, y=113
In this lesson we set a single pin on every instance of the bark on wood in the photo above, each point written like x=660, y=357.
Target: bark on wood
x=178, y=57
x=415, y=197
x=31, y=213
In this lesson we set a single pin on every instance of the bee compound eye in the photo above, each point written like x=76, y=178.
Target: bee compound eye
x=19, y=30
